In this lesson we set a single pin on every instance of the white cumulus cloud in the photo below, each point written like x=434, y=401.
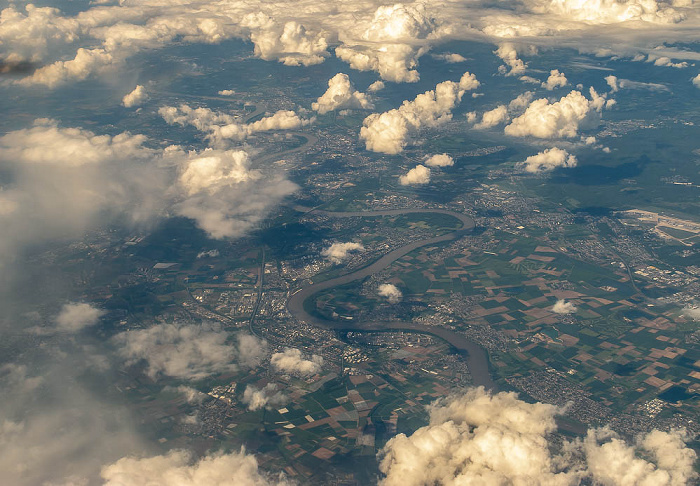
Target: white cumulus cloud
x=617, y=84
x=556, y=79
x=292, y=362
x=479, y=438
x=389, y=132
x=75, y=317
x=692, y=313
x=187, y=351
x=180, y=468
x=560, y=119
x=390, y=43
x=341, y=95
x=222, y=127
x=696, y=81
x=420, y=174
x=391, y=292
x=338, y=252
x=137, y=97
x=450, y=57
x=549, y=159
x=514, y=66
x=493, y=117
x=257, y=398
x=223, y=194
x=376, y=86
x=439, y=160
x=563, y=307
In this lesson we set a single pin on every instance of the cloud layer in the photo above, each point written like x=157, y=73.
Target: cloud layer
x=368, y=35
x=64, y=180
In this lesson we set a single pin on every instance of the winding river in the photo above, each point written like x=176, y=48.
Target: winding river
x=476, y=358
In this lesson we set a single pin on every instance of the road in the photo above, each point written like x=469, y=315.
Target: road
x=475, y=356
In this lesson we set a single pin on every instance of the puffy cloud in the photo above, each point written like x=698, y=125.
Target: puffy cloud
x=389, y=132
x=258, y=398
x=341, y=94
x=338, y=252
x=563, y=307
x=548, y=160
x=502, y=113
x=47, y=143
x=420, y=174
x=210, y=171
x=450, y=57
x=617, y=84
x=290, y=43
x=290, y=361
x=137, y=97
x=439, y=160
x=696, y=81
x=493, y=117
x=611, y=461
x=29, y=35
x=179, y=468
x=555, y=80
x=612, y=82
x=223, y=194
x=222, y=127
x=391, y=292
x=250, y=350
x=521, y=101
x=476, y=438
x=280, y=120
x=667, y=62
x=376, y=86
x=78, y=316
x=186, y=351
x=389, y=43
x=479, y=438
x=85, y=63
x=507, y=52
x=692, y=313
x=226, y=92
x=560, y=119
